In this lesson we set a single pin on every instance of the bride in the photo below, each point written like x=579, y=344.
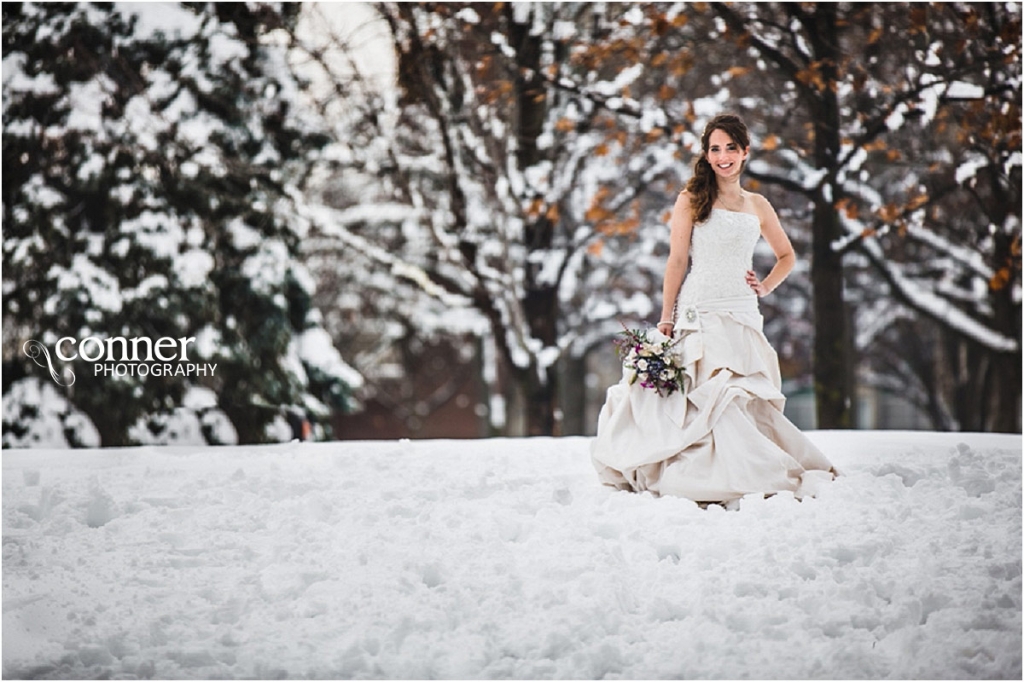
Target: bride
x=724, y=435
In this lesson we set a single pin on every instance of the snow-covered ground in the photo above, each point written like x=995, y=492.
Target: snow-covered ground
x=505, y=559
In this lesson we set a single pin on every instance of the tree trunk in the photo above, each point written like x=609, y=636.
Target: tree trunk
x=531, y=100
x=1006, y=408
x=1006, y=394
x=541, y=308
x=833, y=384
x=572, y=403
x=541, y=299
x=540, y=408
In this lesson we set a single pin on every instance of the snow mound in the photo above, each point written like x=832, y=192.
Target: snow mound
x=505, y=559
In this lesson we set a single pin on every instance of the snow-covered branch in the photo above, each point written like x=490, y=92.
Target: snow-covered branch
x=921, y=296
x=335, y=223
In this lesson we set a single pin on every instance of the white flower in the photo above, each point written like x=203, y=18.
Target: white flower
x=641, y=365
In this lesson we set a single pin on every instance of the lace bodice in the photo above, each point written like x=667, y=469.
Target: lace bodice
x=721, y=252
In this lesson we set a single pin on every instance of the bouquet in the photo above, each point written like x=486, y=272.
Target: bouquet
x=657, y=365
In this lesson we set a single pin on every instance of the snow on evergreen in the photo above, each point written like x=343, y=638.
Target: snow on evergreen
x=504, y=558
x=36, y=415
x=151, y=149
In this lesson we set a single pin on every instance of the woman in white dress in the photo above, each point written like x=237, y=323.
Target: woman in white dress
x=724, y=436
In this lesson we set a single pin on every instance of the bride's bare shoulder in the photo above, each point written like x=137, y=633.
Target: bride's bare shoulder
x=761, y=204
x=758, y=199
x=682, y=215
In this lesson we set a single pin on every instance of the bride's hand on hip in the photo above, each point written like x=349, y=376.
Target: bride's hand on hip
x=665, y=328
x=754, y=283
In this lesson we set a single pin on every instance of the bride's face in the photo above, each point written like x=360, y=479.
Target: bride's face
x=725, y=155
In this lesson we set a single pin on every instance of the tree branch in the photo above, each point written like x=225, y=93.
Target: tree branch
x=738, y=24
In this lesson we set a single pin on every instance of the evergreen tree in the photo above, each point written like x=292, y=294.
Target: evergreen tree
x=148, y=154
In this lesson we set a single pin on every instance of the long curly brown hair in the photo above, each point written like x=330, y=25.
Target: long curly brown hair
x=703, y=186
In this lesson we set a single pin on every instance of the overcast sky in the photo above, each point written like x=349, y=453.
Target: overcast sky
x=361, y=28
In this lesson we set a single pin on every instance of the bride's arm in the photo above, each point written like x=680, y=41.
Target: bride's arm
x=785, y=257
x=678, y=260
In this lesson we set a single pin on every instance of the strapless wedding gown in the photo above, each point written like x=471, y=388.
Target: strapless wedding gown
x=725, y=436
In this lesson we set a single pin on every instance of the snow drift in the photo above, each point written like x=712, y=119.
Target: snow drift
x=506, y=559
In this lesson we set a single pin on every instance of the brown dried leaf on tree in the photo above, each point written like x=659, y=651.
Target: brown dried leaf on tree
x=888, y=213
x=917, y=202
x=597, y=211
x=1000, y=279
x=849, y=207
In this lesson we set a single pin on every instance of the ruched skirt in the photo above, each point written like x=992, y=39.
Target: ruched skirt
x=725, y=435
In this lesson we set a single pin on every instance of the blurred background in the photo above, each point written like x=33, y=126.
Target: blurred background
x=431, y=220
